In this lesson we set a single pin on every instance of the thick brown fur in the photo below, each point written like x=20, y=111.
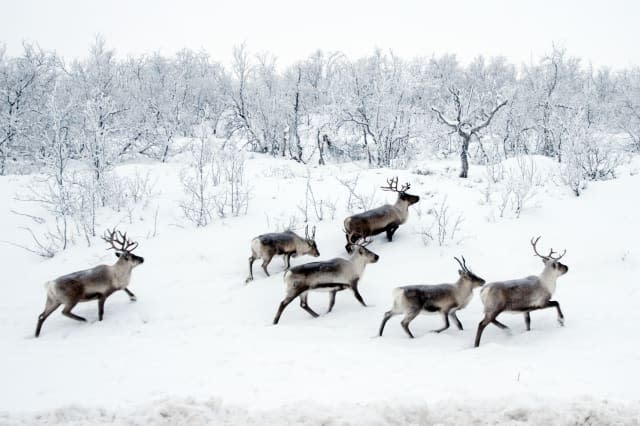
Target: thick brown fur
x=288, y=244
x=387, y=218
x=97, y=283
x=332, y=276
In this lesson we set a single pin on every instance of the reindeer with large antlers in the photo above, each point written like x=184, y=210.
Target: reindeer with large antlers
x=523, y=295
x=447, y=299
x=288, y=243
x=387, y=218
x=330, y=275
x=97, y=283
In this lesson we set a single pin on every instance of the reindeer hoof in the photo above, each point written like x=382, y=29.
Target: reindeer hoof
x=561, y=321
x=133, y=298
x=248, y=280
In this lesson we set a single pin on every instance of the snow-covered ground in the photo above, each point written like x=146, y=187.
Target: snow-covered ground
x=198, y=345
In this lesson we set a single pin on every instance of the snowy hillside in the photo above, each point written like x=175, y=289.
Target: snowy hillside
x=198, y=345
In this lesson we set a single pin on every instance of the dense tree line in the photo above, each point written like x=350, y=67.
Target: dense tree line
x=380, y=108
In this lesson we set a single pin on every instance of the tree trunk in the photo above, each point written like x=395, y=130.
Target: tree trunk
x=165, y=153
x=547, y=137
x=464, y=156
x=366, y=145
x=296, y=112
x=3, y=159
x=320, y=148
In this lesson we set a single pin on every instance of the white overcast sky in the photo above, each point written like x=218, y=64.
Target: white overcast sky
x=600, y=32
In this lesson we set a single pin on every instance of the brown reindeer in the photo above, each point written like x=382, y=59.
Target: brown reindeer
x=97, y=283
x=387, y=218
x=330, y=275
x=444, y=298
x=288, y=243
x=523, y=295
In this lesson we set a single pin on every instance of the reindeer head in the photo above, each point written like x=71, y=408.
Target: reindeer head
x=123, y=247
x=466, y=274
x=550, y=261
x=392, y=185
x=359, y=248
x=311, y=241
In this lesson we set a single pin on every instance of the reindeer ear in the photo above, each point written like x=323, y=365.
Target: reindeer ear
x=118, y=254
x=460, y=272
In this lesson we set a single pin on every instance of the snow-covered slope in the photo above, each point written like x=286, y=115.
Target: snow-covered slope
x=198, y=332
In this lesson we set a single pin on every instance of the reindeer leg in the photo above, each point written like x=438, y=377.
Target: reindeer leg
x=265, y=263
x=287, y=260
x=386, y=317
x=290, y=296
x=499, y=324
x=67, y=312
x=101, y=301
x=391, y=229
x=332, y=300
x=50, y=306
x=250, y=277
x=488, y=317
x=132, y=297
x=455, y=318
x=356, y=293
x=305, y=306
x=407, y=319
x=445, y=315
x=527, y=321
x=554, y=304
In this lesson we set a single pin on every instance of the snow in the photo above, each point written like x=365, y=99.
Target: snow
x=213, y=411
x=198, y=346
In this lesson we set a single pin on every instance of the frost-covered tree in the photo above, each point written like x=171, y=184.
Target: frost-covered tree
x=474, y=101
x=24, y=82
x=627, y=107
x=381, y=107
x=100, y=110
x=378, y=108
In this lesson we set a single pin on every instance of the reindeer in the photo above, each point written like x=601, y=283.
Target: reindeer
x=444, y=298
x=387, y=218
x=286, y=243
x=97, y=283
x=524, y=294
x=331, y=275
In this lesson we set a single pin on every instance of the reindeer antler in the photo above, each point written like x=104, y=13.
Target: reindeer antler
x=534, y=242
x=313, y=233
x=462, y=264
x=126, y=245
x=392, y=185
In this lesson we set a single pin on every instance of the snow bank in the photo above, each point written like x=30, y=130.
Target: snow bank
x=189, y=411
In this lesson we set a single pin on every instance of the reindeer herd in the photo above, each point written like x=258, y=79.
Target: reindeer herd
x=332, y=276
